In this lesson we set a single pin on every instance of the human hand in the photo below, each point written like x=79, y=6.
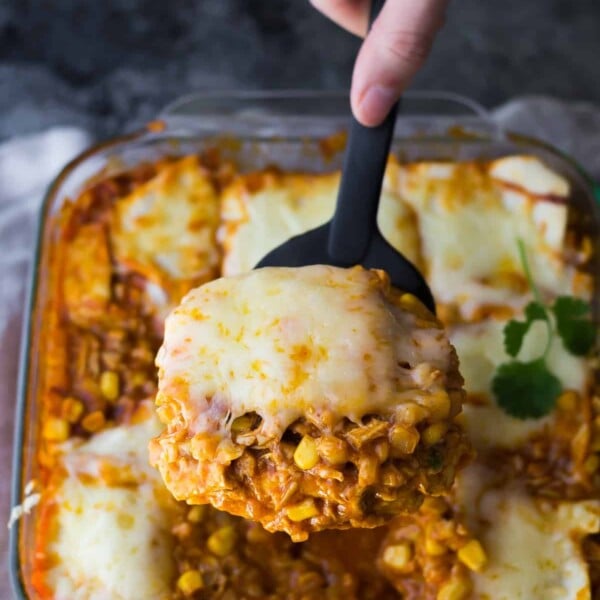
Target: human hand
x=394, y=49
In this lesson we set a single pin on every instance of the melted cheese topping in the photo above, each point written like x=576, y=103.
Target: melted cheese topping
x=529, y=173
x=112, y=516
x=470, y=217
x=533, y=548
x=112, y=526
x=480, y=351
x=260, y=212
x=166, y=228
x=460, y=221
x=113, y=543
x=286, y=343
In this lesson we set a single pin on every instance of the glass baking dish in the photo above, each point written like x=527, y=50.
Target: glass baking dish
x=292, y=129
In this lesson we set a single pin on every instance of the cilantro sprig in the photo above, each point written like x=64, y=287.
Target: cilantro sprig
x=528, y=389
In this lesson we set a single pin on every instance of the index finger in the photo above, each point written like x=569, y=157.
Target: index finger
x=352, y=15
x=393, y=51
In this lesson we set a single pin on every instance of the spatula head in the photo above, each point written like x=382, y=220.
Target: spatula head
x=311, y=249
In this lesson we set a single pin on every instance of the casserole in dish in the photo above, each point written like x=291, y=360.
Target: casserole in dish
x=131, y=226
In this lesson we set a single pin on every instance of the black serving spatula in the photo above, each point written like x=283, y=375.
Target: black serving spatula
x=352, y=236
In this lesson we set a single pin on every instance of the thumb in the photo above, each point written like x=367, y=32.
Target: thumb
x=394, y=50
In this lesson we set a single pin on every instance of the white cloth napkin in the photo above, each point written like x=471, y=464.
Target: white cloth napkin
x=28, y=164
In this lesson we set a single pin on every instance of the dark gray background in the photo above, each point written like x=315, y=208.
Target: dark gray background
x=109, y=64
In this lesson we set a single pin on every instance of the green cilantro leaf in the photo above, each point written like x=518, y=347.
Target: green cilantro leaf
x=579, y=337
x=535, y=311
x=515, y=331
x=526, y=390
x=571, y=307
x=529, y=389
x=577, y=332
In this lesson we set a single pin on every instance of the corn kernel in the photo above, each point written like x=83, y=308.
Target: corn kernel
x=404, y=439
x=55, y=430
x=407, y=300
x=93, y=421
x=434, y=548
x=591, y=464
x=438, y=405
x=436, y=506
x=227, y=451
x=196, y=513
x=255, y=534
x=472, y=555
x=72, y=409
x=414, y=305
x=138, y=379
x=397, y=556
x=221, y=542
x=455, y=589
x=109, y=385
x=411, y=414
x=241, y=424
x=332, y=449
x=302, y=511
x=190, y=582
x=434, y=433
x=567, y=401
x=245, y=423
x=306, y=455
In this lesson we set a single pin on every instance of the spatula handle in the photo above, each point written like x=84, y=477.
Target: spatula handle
x=355, y=218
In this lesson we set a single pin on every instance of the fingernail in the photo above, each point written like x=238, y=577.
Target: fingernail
x=376, y=103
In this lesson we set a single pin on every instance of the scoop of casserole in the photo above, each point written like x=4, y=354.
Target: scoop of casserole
x=307, y=399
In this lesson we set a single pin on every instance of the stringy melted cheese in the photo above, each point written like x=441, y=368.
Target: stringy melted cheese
x=112, y=527
x=286, y=343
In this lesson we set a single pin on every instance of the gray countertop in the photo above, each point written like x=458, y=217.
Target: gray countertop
x=112, y=64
